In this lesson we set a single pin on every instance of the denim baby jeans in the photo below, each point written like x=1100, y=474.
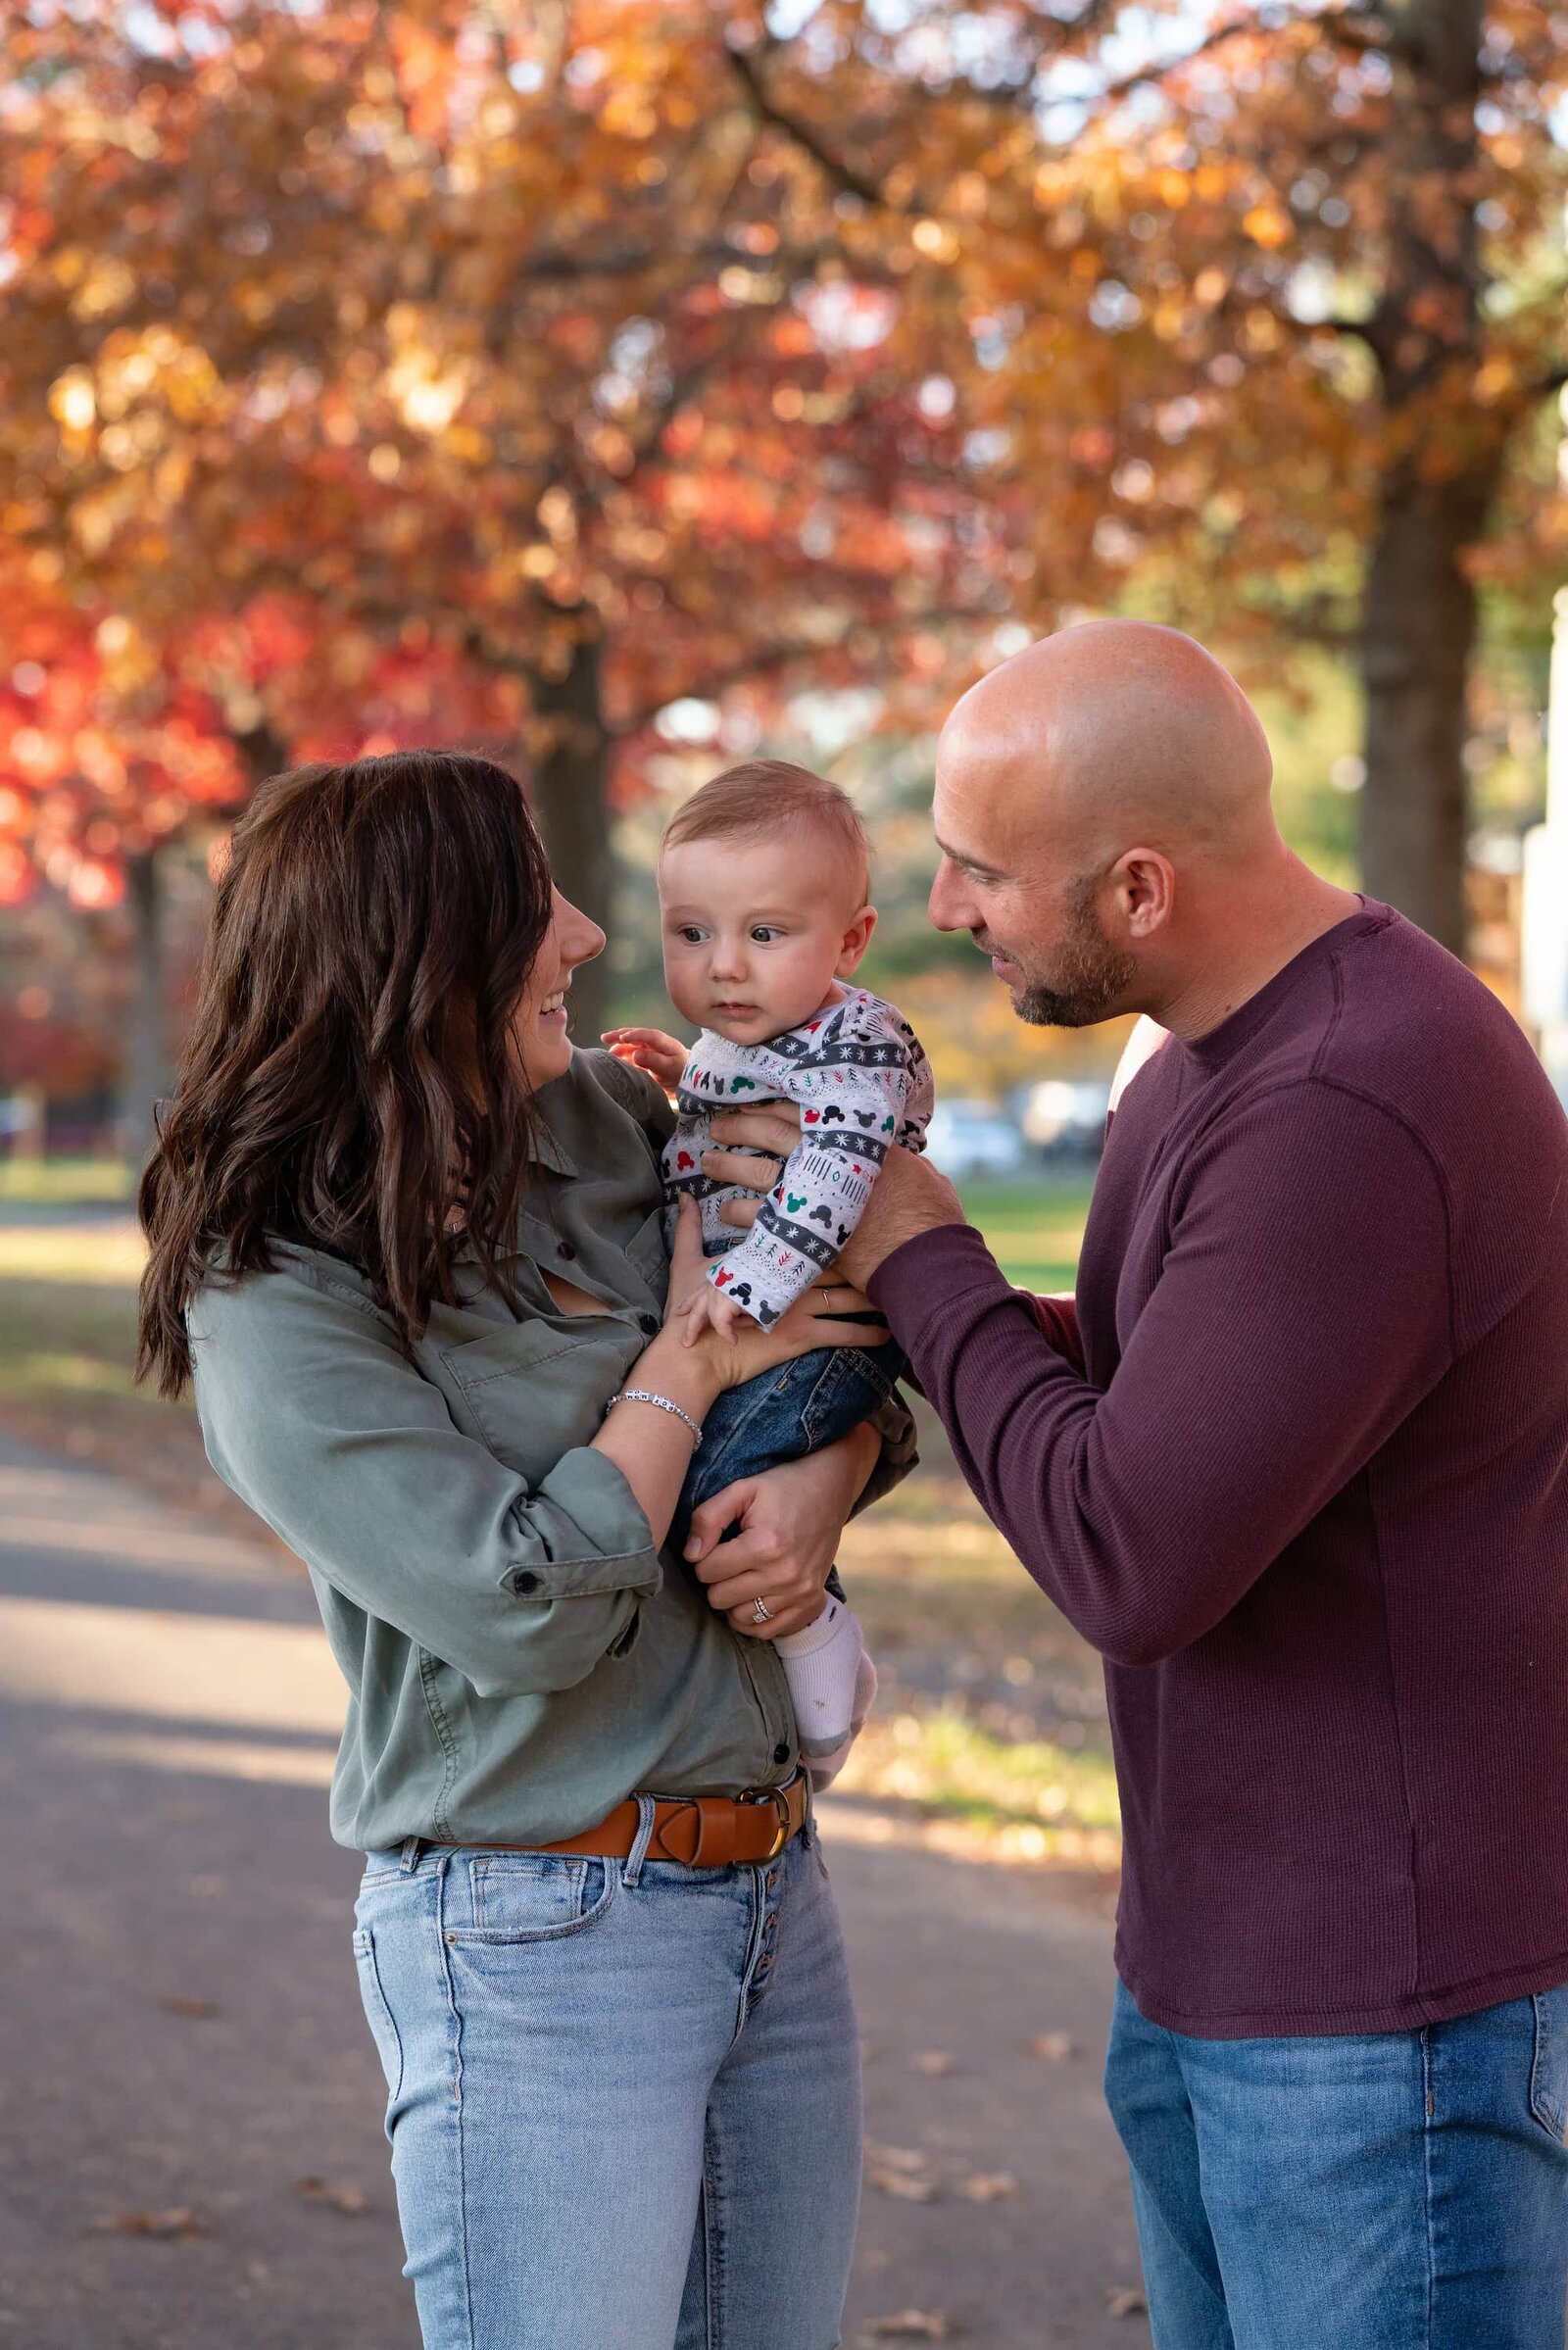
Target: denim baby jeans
x=801, y=1407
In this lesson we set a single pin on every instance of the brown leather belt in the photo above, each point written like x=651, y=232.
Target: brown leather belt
x=702, y=1831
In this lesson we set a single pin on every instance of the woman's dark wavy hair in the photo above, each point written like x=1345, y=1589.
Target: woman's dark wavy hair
x=348, y=1073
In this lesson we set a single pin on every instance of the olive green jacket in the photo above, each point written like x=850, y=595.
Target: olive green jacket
x=519, y=1655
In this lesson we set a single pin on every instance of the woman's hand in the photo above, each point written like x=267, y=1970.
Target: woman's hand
x=830, y=1314
x=790, y=1519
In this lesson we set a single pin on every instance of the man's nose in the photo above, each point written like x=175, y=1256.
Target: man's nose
x=945, y=906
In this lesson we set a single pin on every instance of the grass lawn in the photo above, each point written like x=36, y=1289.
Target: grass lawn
x=989, y=1731
x=1033, y=1228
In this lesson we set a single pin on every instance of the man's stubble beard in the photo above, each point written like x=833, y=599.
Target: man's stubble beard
x=1091, y=977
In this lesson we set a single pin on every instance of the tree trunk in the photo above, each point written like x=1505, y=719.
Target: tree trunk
x=146, y=1073
x=569, y=781
x=1418, y=633
x=1439, y=463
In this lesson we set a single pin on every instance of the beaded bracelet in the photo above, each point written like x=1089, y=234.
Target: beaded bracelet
x=645, y=1394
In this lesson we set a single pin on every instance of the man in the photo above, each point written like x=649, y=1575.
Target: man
x=1295, y=1465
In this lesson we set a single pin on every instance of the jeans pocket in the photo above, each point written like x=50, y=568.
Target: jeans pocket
x=852, y=1387
x=383, y=2024
x=1549, y=2068
x=525, y=1897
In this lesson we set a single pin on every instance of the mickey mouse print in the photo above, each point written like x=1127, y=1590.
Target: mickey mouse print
x=862, y=1082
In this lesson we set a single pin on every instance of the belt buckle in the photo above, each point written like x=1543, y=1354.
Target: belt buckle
x=779, y=1798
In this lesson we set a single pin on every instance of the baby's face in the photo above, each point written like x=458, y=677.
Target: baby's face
x=757, y=931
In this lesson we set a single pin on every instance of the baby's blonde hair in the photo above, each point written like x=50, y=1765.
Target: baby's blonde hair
x=771, y=795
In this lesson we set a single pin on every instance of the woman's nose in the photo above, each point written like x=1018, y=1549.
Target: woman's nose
x=578, y=939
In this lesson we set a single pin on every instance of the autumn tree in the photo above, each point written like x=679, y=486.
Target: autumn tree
x=1276, y=318
x=109, y=757
x=523, y=339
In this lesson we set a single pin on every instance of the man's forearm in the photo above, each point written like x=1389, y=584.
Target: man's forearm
x=1058, y=1318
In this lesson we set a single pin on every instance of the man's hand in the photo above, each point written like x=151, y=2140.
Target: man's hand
x=908, y=1197
x=769, y=1128
x=790, y=1520
x=663, y=1056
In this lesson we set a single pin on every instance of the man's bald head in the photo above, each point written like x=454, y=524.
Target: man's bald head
x=1084, y=790
x=1117, y=734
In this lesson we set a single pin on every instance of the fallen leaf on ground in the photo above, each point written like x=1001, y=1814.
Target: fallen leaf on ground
x=913, y=2325
x=1125, y=2301
x=197, y=2009
x=934, y=2063
x=180, y=2221
x=988, y=2186
x=1052, y=2047
x=904, y=2186
x=323, y=2190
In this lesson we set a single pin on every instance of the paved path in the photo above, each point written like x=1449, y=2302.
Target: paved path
x=179, y=2028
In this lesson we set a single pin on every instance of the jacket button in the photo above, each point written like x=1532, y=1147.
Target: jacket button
x=649, y=1324
x=781, y=1753
x=524, y=1581
x=565, y=1248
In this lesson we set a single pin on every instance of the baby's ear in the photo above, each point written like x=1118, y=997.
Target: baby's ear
x=857, y=939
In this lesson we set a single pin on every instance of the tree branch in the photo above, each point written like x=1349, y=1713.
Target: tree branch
x=1348, y=25
x=842, y=175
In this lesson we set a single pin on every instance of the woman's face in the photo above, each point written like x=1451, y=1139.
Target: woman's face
x=539, y=1023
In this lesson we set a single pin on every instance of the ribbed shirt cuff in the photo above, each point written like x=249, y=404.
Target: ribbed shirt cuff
x=915, y=1287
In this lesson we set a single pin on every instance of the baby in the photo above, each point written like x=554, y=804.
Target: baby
x=763, y=883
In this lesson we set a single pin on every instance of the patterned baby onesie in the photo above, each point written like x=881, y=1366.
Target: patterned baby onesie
x=863, y=1083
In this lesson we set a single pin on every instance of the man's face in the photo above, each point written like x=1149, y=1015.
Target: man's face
x=1028, y=902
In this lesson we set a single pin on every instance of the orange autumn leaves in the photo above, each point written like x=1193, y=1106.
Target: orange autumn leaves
x=444, y=343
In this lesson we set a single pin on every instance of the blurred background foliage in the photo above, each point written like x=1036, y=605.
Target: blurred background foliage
x=625, y=385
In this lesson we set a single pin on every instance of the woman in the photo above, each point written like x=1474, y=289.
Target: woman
x=408, y=1246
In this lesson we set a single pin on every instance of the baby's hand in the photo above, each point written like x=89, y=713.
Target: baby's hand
x=663, y=1056
x=707, y=1309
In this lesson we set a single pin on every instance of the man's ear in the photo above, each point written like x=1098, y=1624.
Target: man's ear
x=857, y=939
x=1143, y=892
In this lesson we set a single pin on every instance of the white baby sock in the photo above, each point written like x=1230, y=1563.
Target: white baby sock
x=832, y=1682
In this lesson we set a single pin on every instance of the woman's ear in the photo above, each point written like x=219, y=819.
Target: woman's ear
x=855, y=941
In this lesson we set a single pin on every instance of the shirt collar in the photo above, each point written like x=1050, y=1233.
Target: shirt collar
x=550, y=1151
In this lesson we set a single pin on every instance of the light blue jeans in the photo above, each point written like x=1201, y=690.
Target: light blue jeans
x=624, y=2101
x=1395, y=2191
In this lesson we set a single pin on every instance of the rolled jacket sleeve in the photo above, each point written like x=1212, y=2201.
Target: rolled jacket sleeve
x=311, y=1413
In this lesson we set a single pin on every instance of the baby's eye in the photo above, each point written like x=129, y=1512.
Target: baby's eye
x=763, y=933
x=690, y=932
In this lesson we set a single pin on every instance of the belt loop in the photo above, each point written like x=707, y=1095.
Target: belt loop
x=412, y=1849
x=631, y=1873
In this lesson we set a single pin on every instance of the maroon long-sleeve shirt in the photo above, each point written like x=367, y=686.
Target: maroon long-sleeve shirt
x=1306, y=1490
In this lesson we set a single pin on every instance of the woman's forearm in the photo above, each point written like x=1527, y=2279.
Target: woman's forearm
x=653, y=1448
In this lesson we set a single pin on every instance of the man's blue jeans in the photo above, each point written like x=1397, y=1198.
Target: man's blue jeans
x=625, y=2103
x=1401, y=2190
